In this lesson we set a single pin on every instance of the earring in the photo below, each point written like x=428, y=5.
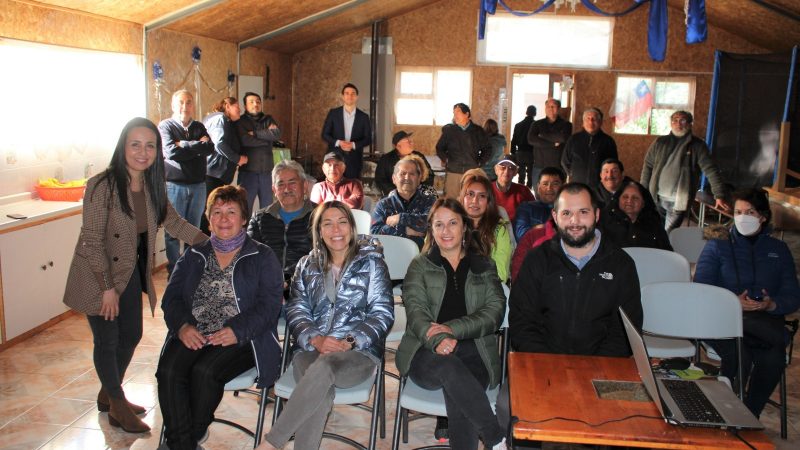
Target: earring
x=463, y=242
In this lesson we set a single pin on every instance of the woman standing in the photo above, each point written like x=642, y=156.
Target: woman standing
x=221, y=307
x=339, y=313
x=498, y=143
x=760, y=270
x=122, y=210
x=227, y=156
x=454, y=305
x=631, y=219
x=491, y=232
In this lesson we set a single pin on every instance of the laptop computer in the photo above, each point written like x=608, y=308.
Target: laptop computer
x=697, y=403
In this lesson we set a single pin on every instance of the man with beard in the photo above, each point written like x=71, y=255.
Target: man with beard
x=404, y=212
x=566, y=296
x=671, y=171
x=257, y=132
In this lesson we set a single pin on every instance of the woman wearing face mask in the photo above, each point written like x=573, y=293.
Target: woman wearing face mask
x=760, y=270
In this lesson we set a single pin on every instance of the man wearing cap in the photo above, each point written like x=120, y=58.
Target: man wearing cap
x=522, y=149
x=461, y=147
x=548, y=136
x=336, y=186
x=404, y=212
x=507, y=193
x=347, y=131
x=403, y=146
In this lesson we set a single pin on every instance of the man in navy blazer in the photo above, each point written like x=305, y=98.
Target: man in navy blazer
x=347, y=131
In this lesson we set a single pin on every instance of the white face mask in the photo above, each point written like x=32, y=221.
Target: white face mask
x=747, y=225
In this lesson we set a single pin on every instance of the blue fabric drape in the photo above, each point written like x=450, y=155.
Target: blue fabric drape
x=595, y=9
x=657, y=30
x=696, y=24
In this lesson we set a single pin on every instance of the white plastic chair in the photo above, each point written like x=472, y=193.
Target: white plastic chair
x=411, y=397
x=656, y=265
x=692, y=311
x=688, y=241
x=398, y=253
x=363, y=221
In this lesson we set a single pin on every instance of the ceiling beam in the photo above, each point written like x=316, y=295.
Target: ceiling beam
x=300, y=23
x=778, y=10
x=180, y=14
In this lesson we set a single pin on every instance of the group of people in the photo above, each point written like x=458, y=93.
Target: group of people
x=300, y=255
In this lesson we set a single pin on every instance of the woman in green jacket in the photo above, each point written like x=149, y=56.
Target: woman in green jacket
x=454, y=304
x=492, y=233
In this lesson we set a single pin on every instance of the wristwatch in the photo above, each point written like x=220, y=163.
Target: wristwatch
x=350, y=340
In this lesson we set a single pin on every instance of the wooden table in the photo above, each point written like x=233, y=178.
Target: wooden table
x=545, y=386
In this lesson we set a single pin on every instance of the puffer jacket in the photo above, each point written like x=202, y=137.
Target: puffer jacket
x=291, y=241
x=257, y=285
x=423, y=292
x=647, y=231
x=363, y=306
x=766, y=263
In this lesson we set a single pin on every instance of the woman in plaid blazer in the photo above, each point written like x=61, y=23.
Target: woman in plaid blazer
x=122, y=210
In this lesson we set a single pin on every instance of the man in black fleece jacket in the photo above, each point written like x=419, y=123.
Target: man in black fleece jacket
x=586, y=150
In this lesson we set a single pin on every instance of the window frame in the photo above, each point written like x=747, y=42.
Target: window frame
x=689, y=106
x=434, y=71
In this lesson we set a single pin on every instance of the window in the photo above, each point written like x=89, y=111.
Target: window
x=547, y=40
x=641, y=109
x=425, y=96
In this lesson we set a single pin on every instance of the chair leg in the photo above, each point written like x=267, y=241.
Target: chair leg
x=405, y=426
x=376, y=411
x=262, y=409
x=398, y=417
x=277, y=410
x=783, y=406
x=382, y=404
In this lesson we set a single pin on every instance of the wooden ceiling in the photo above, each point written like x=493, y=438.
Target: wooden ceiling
x=290, y=26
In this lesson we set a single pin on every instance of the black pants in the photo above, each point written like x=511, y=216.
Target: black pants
x=191, y=384
x=464, y=378
x=115, y=340
x=525, y=161
x=211, y=184
x=763, y=365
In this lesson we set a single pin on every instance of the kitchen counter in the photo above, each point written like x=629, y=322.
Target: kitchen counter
x=35, y=210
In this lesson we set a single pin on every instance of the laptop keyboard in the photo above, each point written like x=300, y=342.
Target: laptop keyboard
x=692, y=402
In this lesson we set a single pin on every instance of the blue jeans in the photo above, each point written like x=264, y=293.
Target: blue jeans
x=189, y=200
x=256, y=184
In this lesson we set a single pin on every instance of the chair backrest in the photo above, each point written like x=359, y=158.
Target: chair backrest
x=691, y=310
x=398, y=253
x=688, y=241
x=363, y=221
x=368, y=204
x=655, y=265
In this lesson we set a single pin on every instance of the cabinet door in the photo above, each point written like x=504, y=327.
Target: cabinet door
x=35, y=264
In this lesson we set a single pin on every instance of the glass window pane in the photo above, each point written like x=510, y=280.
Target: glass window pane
x=452, y=86
x=581, y=42
x=414, y=111
x=416, y=83
x=660, y=121
x=631, y=110
x=672, y=93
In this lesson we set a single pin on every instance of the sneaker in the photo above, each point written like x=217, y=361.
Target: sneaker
x=440, y=433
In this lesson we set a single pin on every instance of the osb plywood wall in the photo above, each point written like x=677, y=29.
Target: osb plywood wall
x=254, y=62
x=174, y=52
x=34, y=23
x=444, y=35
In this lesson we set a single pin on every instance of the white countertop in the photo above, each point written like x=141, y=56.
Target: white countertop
x=35, y=210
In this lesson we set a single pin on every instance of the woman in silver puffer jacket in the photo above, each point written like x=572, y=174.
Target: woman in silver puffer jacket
x=339, y=313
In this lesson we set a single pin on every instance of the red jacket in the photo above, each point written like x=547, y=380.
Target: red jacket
x=533, y=238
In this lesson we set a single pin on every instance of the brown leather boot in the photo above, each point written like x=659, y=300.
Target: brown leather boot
x=103, y=404
x=121, y=415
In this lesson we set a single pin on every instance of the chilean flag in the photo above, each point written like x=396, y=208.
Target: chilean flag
x=639, y=103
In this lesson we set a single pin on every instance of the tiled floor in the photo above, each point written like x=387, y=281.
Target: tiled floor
x=48, y=387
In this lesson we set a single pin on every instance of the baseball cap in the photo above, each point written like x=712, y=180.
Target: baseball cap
x=399, y=136
x=508, y=160
x=332, y=155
